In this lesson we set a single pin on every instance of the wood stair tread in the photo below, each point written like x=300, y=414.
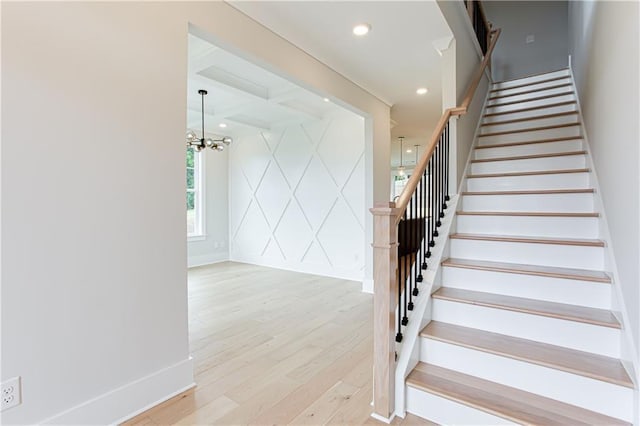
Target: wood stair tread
x=531, y=84
x=585, y=364
x=584, y=242
x=529, y=157
x=518, y=268
x=538, y=98
x=562, y=311
x=532, y=192
x=502, y=145
x=535, y=74
x=491, y=114
x=533, y=173
x=535, y=214
x=500, y=400
x=529, y=129
x=526, y=92
x=532, y=118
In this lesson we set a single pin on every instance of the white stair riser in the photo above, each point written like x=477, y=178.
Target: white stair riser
x=541, y=122
x=531, y=80
x=541, y=226
x=560, y=290
x=527, y=96
x=532, y=135
x=559, y=385
x=531, y=113
x=561, y=203
x=531, y=149
x=530, y=104
x=581, y=257
x=505, y=183
x=533, y=86
x=561, y=162
x=571, y=334
x=444, y=411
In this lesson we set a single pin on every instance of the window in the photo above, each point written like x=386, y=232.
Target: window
x=195, y=209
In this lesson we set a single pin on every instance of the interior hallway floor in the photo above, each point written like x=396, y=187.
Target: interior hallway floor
x=275, y=347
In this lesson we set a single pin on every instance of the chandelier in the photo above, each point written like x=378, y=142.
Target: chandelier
x=198, y=144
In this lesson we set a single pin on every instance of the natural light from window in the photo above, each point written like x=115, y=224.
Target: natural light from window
x=194, y=193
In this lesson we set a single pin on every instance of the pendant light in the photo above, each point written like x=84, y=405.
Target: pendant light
x=198, y=144
x=401, y=168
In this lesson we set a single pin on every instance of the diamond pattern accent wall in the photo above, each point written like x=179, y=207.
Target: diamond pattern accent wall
x=296, y=197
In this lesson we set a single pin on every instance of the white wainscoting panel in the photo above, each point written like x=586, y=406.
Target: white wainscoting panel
x=297, y=197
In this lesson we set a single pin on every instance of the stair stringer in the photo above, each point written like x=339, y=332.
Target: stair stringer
x=628, y=350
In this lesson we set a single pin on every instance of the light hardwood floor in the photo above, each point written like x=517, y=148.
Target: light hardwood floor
x=275, y=347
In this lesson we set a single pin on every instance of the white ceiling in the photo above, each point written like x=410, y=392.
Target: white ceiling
x=244, y=96
x=391, y=62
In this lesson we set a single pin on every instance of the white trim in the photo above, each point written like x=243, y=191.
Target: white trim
x=125, y=402
x=206, y=259
x=295, y=266
x=367, y=285
x=196, y=237
x=383, y=419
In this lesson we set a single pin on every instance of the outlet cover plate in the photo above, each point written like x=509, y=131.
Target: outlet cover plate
x=11, y=393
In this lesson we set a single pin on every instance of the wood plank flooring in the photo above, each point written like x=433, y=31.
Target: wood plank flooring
x=275, y=347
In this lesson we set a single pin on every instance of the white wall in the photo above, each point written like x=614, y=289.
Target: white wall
x=94, y=306
x=545, y=20
x=467, y=60
x=214, y=246
x=604, y=52
x=297, y=197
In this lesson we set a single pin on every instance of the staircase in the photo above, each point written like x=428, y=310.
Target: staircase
x=522, y=329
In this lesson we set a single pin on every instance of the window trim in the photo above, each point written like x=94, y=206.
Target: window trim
x=199, y=233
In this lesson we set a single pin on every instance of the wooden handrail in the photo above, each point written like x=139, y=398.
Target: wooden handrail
x=409, y=189
x=386, y=248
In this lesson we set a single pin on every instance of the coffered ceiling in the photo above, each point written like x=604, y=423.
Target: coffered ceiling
x=242, y=96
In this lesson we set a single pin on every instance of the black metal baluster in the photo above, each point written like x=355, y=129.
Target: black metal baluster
x=446, y=142
x=405, y=319
x=424, y=220
x=410, y=254
x=439, y=184
x=416, y=235
x=443, y=205
x=399, y=269
x=430, y=207
x=435, y=195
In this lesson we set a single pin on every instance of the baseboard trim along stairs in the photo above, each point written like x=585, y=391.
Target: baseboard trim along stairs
x=521, y=327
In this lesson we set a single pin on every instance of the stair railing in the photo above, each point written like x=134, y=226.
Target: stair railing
x=404, y=233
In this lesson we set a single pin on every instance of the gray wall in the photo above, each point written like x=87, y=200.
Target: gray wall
x=467, y=61
x=607, y=77
x=546, y=20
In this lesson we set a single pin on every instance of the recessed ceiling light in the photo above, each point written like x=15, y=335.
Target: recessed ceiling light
x=361, y=29
x=409, y=151
x=422, y=91
x=326, y=99
x=222, y=125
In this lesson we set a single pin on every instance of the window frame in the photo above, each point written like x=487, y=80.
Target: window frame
x=199, y=233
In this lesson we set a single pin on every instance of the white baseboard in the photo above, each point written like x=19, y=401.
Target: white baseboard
x=125, y=402
x=206, y=259
x=367, y=285
x=322, y=270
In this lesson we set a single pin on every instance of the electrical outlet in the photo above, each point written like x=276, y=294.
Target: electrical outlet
x=11, y=393
x=530, y=39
